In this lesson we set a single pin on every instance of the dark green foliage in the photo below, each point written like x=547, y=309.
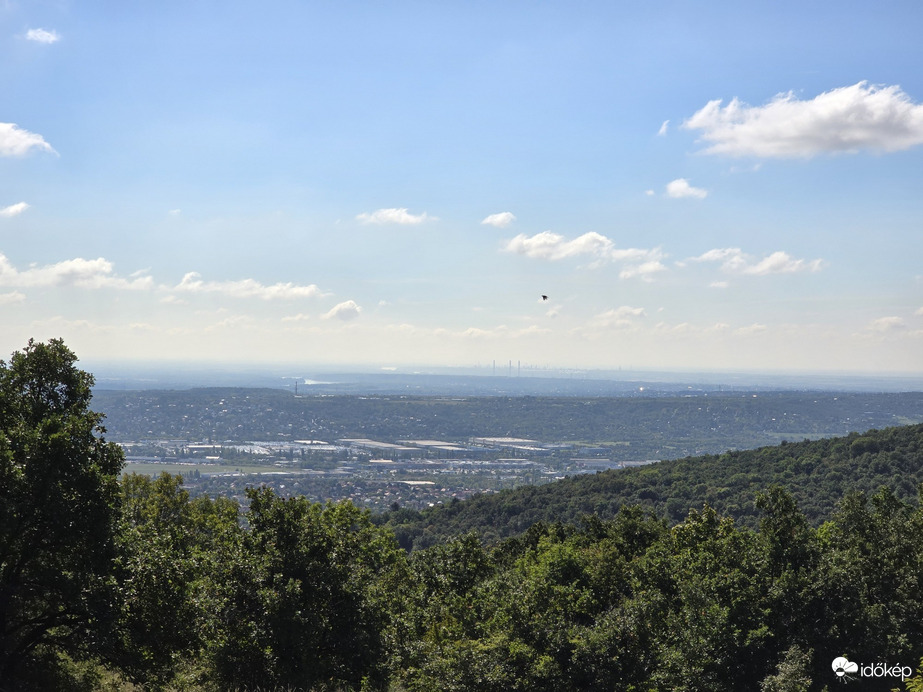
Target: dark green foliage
x=174, y=555
x=634, y=605
x=58, y=508
x=308, y=605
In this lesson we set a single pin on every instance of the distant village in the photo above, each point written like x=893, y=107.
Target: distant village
x=371, y=473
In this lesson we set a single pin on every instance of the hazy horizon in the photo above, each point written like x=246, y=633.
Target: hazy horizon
x=367, y=378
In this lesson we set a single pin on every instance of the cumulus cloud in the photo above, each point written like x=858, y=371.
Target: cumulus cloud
x=79, y=272
x=645, y=270
x=734, y=260
x=43, y=36
x=500, y=220
x=12, y=297
x=246, y=288
x=347, y=310
x=618, y=318
x=553, y=246
x=884, y=325
x=847, y=119
x=17, y=142
x=680, y=188
x=782, y=263
x=733, y=256
x=394, y=216
x=13, y=210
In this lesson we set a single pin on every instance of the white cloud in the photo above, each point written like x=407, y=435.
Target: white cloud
x=617, y=318
x=43, y=36
x=246, y=288
x=16, y=142
x=347, y=310
x=13, y=210
x=397, y=216
x=500, y=220
x=552, y=246
x=175, y=212
x=887, y=324
x=847, y=119
x=663, y=128
x=782, y=263
x=719, y=284
x=919, y=312
x=680, y=188
x=77, y=272
x=731, y=254
x=12, y=297
x=645, y=270
x=734, y=260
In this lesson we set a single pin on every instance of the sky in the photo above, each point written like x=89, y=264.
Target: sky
x=695, y=186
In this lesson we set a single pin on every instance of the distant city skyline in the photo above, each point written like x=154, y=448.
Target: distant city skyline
x=583, y=185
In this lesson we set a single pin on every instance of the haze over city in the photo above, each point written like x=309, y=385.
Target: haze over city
x=717, y=186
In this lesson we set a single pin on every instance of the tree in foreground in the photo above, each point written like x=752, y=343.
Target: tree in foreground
x=58, y=509
x=308, y=602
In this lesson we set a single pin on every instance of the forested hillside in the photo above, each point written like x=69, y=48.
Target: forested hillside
x=818, y=474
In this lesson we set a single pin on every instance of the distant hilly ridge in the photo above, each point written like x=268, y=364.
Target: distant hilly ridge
x=817, y=473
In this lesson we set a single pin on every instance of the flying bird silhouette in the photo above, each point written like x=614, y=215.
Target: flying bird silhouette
x=544, y=297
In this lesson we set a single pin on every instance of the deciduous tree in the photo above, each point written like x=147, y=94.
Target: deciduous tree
x=58, y=507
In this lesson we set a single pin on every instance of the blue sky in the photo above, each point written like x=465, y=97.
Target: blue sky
x=693, y=185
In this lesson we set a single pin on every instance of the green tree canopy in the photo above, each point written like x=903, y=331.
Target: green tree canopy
x=58, y=506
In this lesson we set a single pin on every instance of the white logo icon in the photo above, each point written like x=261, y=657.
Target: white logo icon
x=842, y=666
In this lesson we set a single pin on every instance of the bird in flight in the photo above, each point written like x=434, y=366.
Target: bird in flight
x=544, y=297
